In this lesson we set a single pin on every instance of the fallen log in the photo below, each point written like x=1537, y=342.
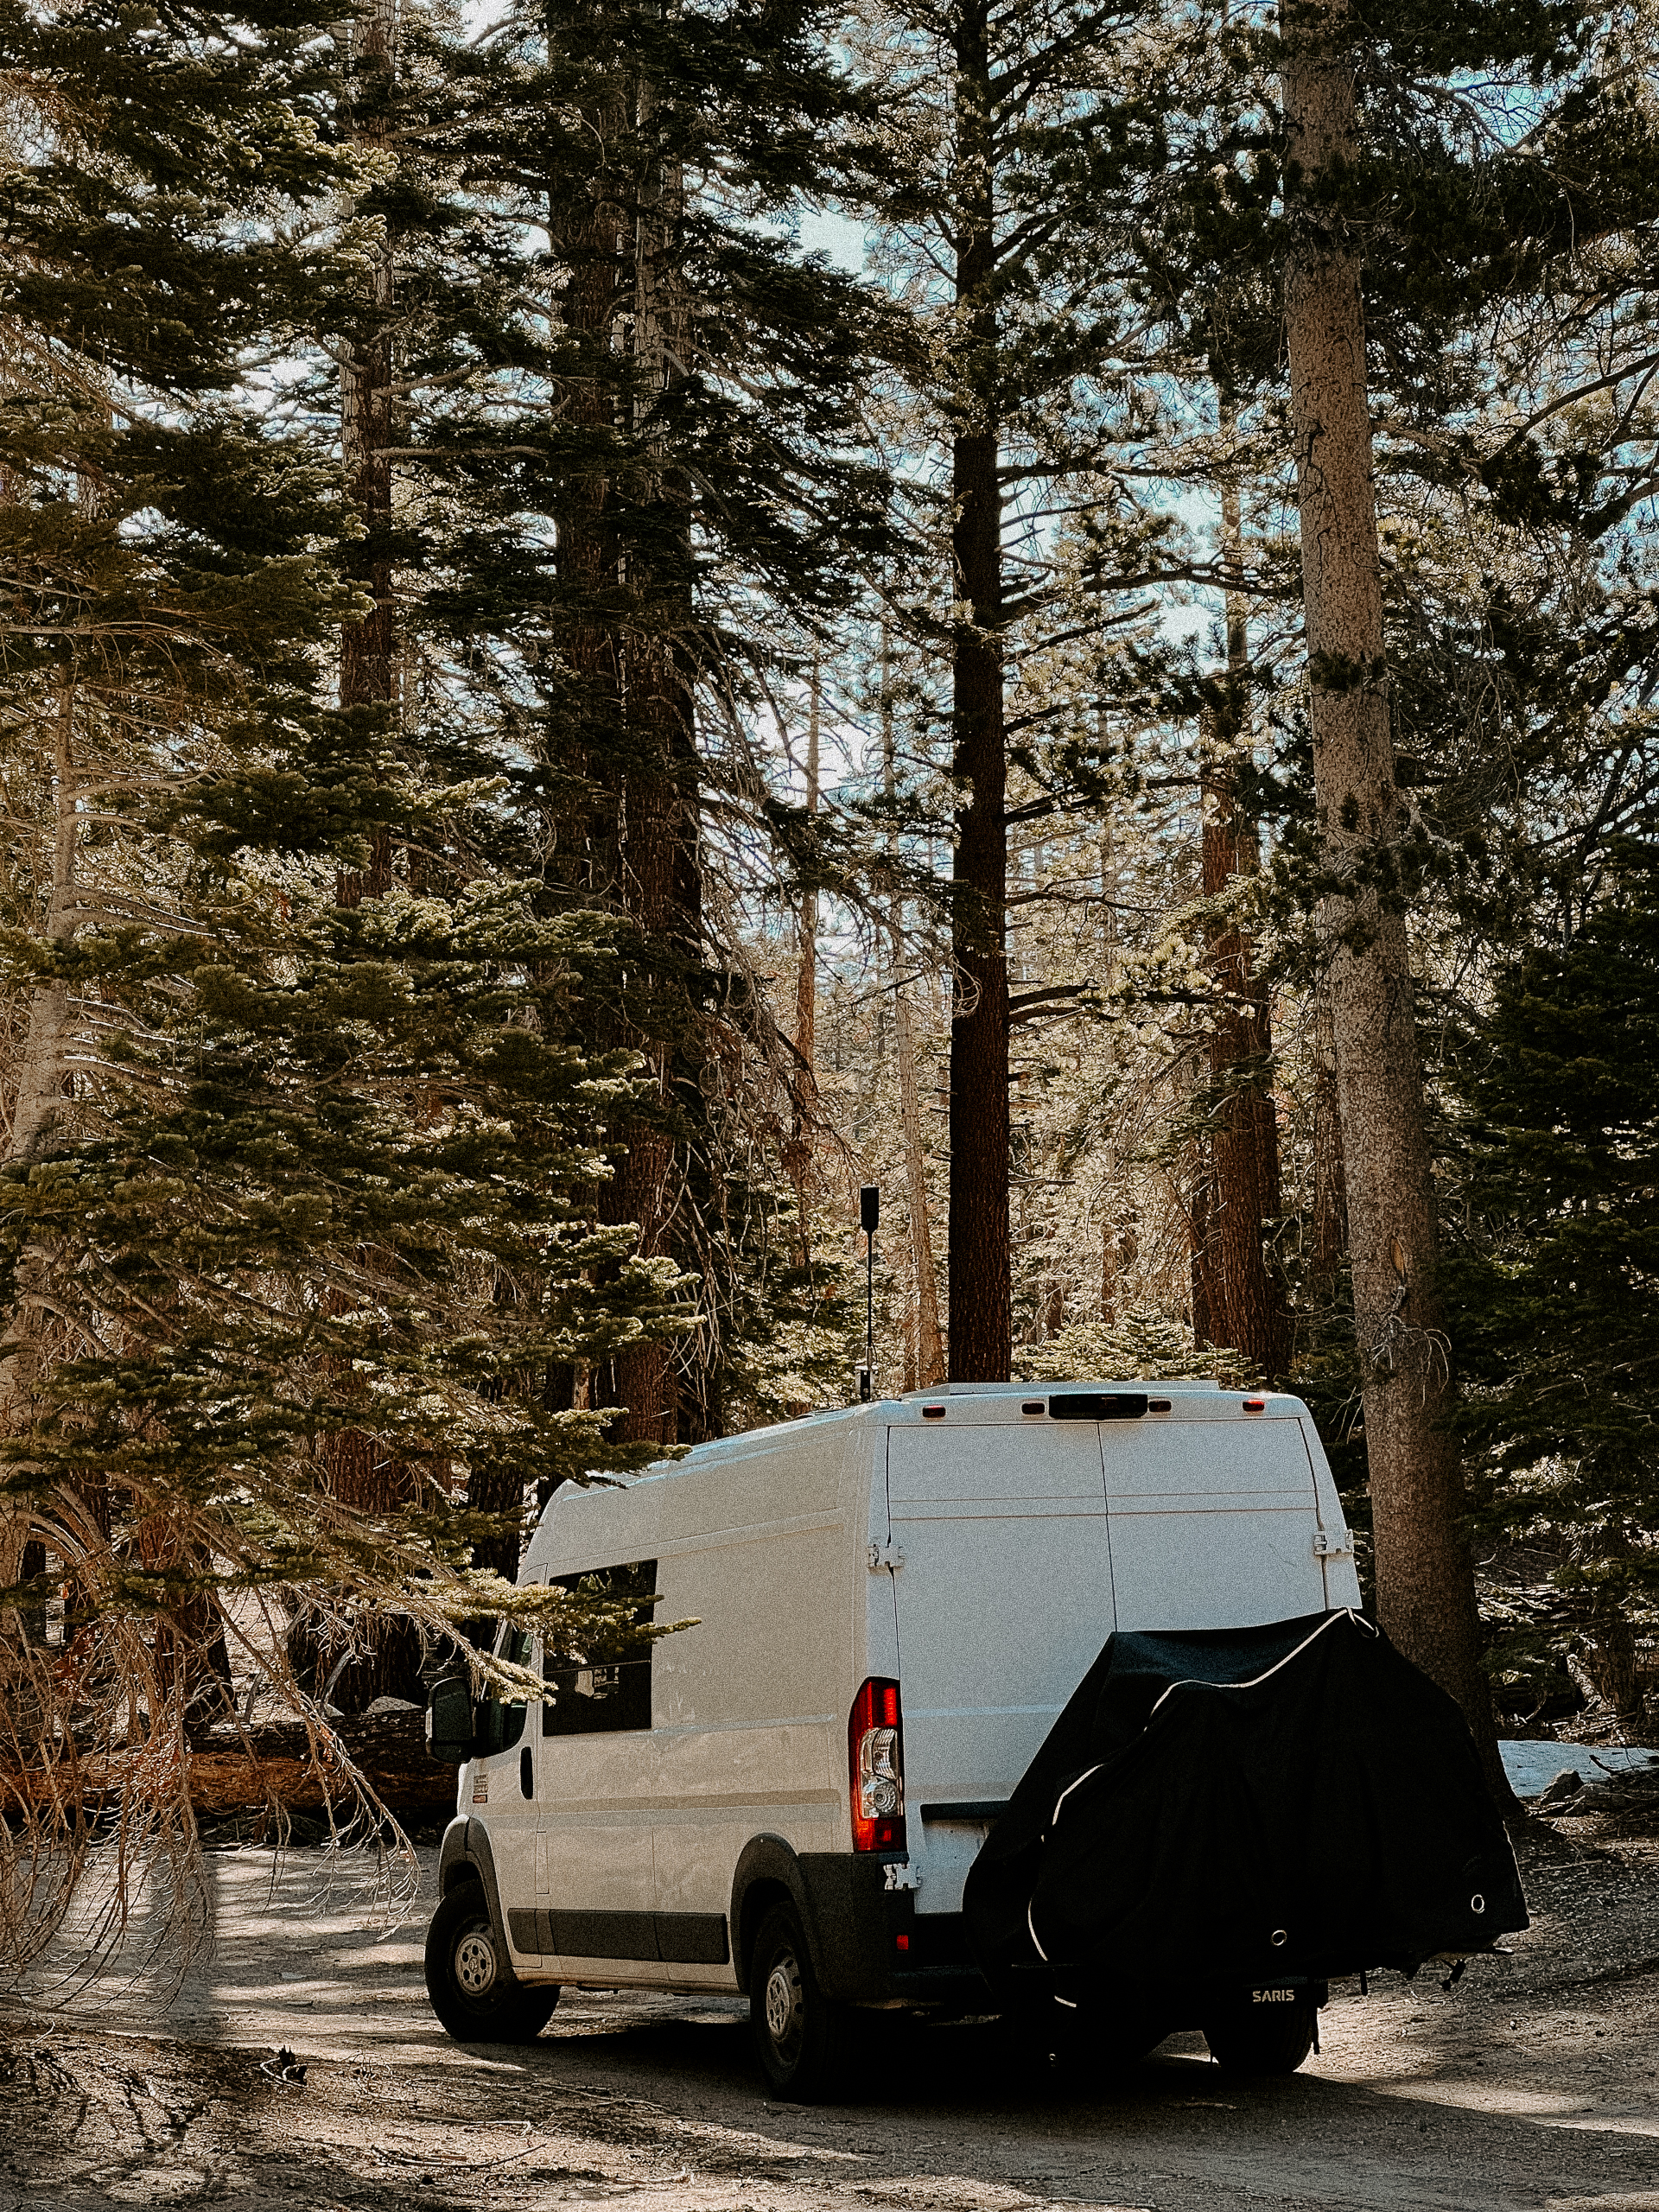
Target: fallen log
x=231, y=1770
x=276, y=1765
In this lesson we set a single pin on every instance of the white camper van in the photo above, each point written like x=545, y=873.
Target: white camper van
x=893, y=1604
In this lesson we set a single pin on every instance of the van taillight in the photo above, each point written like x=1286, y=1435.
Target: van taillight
x=875, y=1759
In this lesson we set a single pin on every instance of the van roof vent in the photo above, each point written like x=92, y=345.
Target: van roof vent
x=1098, y=1405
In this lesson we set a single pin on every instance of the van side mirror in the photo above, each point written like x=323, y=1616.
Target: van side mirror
x=449, y=1721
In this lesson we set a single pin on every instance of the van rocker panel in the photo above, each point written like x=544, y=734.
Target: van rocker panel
x=680, y=1939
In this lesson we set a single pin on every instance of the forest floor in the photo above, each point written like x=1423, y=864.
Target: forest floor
x=1533, y=2082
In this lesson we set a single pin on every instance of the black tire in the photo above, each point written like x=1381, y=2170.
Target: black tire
x=802, y=2040
x=474, y=1990
x=1261, y=2039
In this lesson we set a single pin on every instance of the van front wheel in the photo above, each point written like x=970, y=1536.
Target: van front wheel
x=800, y=2035
x=474, y=1990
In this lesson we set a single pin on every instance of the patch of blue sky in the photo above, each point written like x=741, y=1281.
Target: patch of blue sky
x=842, y=241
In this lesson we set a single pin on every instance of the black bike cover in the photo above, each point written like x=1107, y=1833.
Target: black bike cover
x=1245, y=1805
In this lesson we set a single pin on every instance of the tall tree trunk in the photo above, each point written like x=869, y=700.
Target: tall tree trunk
x=1330, y=1228
x=930, y=1350
x=584, y=808
x=43, y=1082
x=43, y=1078
x=619, y=733
x=924, y=1342
x=980, y=1298
x=1208, y=1310
x=1424, y=1581
x=804, y=1082
x=358, y=1469
x=644, y=1187
x=1111, y=1232
x=586, y=243
x=1248, y=1310
x=78, y=1514
x=367, y=404
x=659, y=865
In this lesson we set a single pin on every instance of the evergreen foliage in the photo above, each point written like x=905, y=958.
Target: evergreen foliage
x=446, y=1003
x=1557, y=1168
x=288, y=1166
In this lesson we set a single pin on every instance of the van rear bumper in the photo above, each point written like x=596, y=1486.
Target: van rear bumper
x=872, y=1947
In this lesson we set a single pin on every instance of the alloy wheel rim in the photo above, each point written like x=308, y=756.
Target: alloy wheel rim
x=783, y=2006
x=476, y=1963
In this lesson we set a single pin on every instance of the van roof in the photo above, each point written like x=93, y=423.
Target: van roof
x=746, y=1441
x=1187, y=1383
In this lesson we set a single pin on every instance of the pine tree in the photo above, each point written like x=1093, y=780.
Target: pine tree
x=1016, y=151
x=1425, y=1582
x=1558, y=1170
x=287, y=1161
x=684, y=522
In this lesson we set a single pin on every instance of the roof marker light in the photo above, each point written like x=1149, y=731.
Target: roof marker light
x=1034, y=1406
x=1255, y=1405
x=933, y=1413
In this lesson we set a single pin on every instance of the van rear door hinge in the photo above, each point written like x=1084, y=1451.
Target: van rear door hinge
x=1325, y=1546
x=886, y=1555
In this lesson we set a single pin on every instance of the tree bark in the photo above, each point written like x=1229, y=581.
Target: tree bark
x=1208, y=1309
x=981, y=1298
x=619, y=726
x=659, y=865
x=1111, y=1231
x=1248, y=1308
x=585, y=240
x=1329, y=1178
x=804, y=1082
x=43, y=1079
x=1425, y=1582
x=366, y=404
x=43, y=1088
x=357, y=1469
x=929, y=1350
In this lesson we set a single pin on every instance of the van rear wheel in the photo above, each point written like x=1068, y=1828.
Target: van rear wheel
x=1248, y=2037
x=474, y=1990
x=801, y=2038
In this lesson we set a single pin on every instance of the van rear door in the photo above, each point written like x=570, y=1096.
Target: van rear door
x=1004, y=1593
x=1214, y=1515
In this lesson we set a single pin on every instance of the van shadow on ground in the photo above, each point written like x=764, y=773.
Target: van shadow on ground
x=1535, y=2088
x=942, y=2107
x=627, y=2098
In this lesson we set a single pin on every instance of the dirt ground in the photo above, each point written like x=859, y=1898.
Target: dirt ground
x=1535, y=2082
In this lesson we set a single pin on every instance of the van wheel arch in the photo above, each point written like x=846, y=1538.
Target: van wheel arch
x=768, y=1873
x=466, y=1856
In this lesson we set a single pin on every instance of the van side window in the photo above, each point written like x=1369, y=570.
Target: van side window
x=605, y=1687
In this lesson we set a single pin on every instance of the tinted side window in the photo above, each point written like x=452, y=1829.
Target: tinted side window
x=606, y=1686
x=501, y=1724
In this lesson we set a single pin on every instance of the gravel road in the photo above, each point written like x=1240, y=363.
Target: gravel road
x=1533, y=2087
